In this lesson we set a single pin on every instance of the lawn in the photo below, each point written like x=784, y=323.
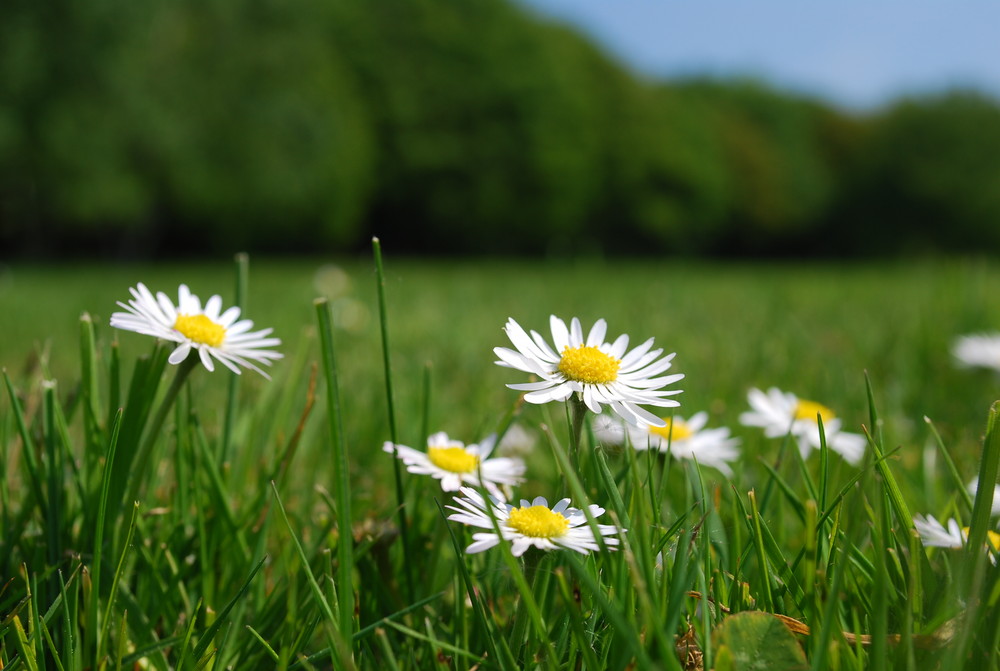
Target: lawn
x=209, y=513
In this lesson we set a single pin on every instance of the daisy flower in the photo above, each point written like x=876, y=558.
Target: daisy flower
x=533, y=523
x=600, y=373
x=211, y=333
x=684, y=439
x=934, y=534
x=978, y=351
x=455, y=464
x=780, y=413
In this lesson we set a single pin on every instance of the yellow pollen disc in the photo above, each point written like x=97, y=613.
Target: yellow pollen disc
x=454, y=459
x=809, y=410
x=537, y=522
x=674, y=430
x=992, y=537
x=588, y=365
x=200, y=329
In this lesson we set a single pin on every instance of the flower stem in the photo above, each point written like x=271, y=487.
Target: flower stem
x=153, y=428
x=576, y=429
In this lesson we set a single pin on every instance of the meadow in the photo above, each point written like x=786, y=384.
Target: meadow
x=235, y=558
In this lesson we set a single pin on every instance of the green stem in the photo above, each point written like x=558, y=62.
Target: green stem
x=531, y=559
x=579, y=412
x=141, y=464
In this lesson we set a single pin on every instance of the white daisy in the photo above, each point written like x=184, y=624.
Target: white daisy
x=455, y=464
x=978, y=351
x=533, y=523
x=684, y=439
x=934, y=534
x=780, y=413
x=995, y=507
x=206, y=330
x=601, y=373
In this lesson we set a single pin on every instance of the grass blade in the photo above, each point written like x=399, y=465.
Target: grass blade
x=341, y=474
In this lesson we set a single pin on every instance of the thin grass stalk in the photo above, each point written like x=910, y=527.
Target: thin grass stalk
x=386, y=648
x=528, y=601
x=333, y=624
x=477, y=605
x=209, y=634
x=531, y=560
x=147, y=375
x=880, y=599
x=53, y=649
x=27, y=444
x=341, y=473
x=242, y=262
x=577, y=625
x=956, y=478
x=436, y=643
x=185, y=646
x=988, y=468
x=114, y=381
x=875, y=441
x=70, y=648
x=88, y=380
x=758, y=539
x=122, y=638
x=614, y=614
x=54, y=484
x=404, y=533
x=976, y=550
x=824, y=463
x=912, y=610
x=829, y=621
x=98, y=552
x=105, y=624
x=24, y=648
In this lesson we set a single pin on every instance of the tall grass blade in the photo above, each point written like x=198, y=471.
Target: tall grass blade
x=333, y=628
x=209, y=634
x=899, y=506
x=404, y=531
x=341, y=474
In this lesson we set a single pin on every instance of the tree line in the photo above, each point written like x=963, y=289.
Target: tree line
x=163, y=126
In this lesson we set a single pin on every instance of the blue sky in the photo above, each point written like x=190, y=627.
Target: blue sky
x=858, y=54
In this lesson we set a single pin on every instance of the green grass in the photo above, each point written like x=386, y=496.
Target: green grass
x=219, y=568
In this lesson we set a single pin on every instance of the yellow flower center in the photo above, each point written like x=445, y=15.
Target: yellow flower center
x=992, y=537
x=537, y=522
x=200, y=329
x=454, y=459
x=588, y=365
x=809, y=410
x=674, y=430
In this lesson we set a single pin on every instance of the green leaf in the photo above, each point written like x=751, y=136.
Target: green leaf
x=756, y=640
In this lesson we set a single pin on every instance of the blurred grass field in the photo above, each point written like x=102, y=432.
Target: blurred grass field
x=810, y=329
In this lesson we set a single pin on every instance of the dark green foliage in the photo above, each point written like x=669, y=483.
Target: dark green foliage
x=925, y=176
x=161, y=127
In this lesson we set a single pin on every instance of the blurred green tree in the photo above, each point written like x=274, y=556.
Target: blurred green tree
x=926, y=177
x=472, y=127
